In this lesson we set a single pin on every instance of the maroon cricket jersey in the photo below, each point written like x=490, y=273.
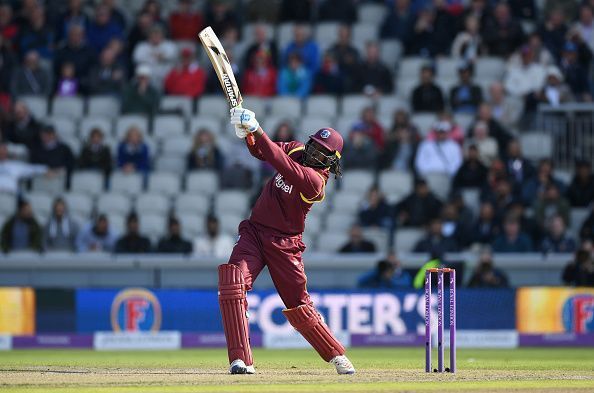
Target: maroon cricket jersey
x=287, y=197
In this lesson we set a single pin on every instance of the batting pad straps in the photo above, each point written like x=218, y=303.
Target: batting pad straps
x=307, y=321
x=233, y=304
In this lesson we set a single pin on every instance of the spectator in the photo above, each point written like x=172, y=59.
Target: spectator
x=77, y=52
x=468, y=44
x=433, y=32
x=37, y=35
x=418, y=207
x=184, y=22
x=103, y=29
x=108, y=76
x=375, y=211
x=585, y=25
x=553, y=31
x=343, y=50
x=9, y=29
x=262, y=43
x=496, y=130
x=61, y=230
x=260, y=77
x=526, y=79
x=569, y=8
x=554, y=92
x=53, y=153
x=205, y=154
x=221, y=16
x=369, y=125
x=445, y=121
x=73, y=16
x=330, y=79
x=580, y=192
x=466, y=96
x=427, y=97
x=505, y=110
x=357, y=243
x=535, y=186
x=8, y=64
x=344, y=11
x=503, y=33
x=173, y=242
x=388, y=274
x=31, y=78
x=359, y=150
x=399, y=22
x=95, y=154
x=372, y=76
x=400, y=148
x=96, y=236
x=485, y=275
x=115, y=14
x=140, y=96
x=214, y=243
x=139, y=32
x=486, y=228
x=188, y=78
x=472, y=173
x=557, y=239
x=21, y=232
x=68, y=85
x=153, y=8
x=12, y=171
x=512, y=239
x=305, y=47
x=580, y=271
x=549, y=204
x=575, y=74
x=587, y=229
x=133, y=153
x=440, y=156
x=517, y=167
x=501, y=195
x=295, y=79
x=300, y=11
x=22, y=127
x=435, y=239
x=132, y=242
x=157, y=53
x=486, y=145
x=454, y=226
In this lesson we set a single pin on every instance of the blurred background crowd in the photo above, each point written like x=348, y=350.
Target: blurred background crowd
x=114, y=134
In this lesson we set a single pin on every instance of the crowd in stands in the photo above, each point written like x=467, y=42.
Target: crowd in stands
x=79, y=48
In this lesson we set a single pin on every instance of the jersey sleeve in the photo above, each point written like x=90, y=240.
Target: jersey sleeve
x=309, y=182
x=257, y=153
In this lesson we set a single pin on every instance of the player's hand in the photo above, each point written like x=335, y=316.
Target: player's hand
x=244, y=118
x=241, y=132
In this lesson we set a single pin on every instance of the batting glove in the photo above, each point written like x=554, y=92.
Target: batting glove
x=244, y=118
x=241, y=132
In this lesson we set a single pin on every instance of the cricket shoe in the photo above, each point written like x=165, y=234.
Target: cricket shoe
x=343, y=365
x=238, y=367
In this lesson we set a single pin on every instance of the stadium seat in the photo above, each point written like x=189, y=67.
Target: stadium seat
x=167, y=126
x=313, y=225
x=74, y=144
x=41, y=203
x=202, y=182
x=172, y=164
x=257, y=105
x=352, y=105
x=37, y=105
x=387, y=105
x=88, y=123
x=53, y=185
x=213, y=106
x=228, y=223
x=152, y=203
x=322, y=105
x=407, y=238
x=152, y=225
x=577, y=218
x=346, y=202
x=339, y=221
x=446, y=84
x=536, y=145
x=284, y=34
x=65, y=127
x=491, y=68
x=310, y=124
x=107, y=106
x=114, y=203
x=192, y=225
x=363, y=33
x=447, y=67
x=325, y=35
x=126, y=183
x=405, y=87
x=248, y=31
x=188, y=203
x=424, y=122
x=390, y=52
x=214, y=125
x=235, y=202
x=7, y=204
x=271, y=123
x=285, y=106
x=117, y=223
x=72, y=107
x=87, y=182
x=123, y=123
x=371, y=13
x=410, y=68
x=472, y=200
x=464, y=120
x=344, y=125
x=79, y=204
x=181, y=105
x=439, y=183
x=357, y=181
x=164, y=183
x=329, y=241
x=178, y=146
x=378, y=236
x=395, y=184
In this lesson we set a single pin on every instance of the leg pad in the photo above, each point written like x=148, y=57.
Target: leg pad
x=307, y=321
x=233, y=305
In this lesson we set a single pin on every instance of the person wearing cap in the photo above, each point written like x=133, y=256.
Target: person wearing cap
x=526, y=77
x=272, y=237
x=555, y=91
x=141, y=96
x=574, y=72
x=188, y=78
x=439, y=156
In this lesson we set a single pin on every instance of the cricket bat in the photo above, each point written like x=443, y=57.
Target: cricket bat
x=222, y=66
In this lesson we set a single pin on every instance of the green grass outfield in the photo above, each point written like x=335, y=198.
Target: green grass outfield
x=378, y=370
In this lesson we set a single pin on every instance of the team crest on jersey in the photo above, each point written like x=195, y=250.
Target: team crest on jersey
x=325, y=134
x=280, y=183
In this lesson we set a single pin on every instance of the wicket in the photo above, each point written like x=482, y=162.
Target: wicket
x=440, y=316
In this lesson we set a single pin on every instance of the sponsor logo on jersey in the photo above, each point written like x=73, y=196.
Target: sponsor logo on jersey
x=280, y=183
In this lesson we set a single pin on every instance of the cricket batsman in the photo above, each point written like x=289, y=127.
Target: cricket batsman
x=272, y=237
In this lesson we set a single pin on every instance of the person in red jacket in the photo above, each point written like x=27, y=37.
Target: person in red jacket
x=260, y=78
x=185, y=23
x=188, y=78
x=272, y=237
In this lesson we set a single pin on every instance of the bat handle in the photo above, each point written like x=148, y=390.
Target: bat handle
x=250, y=139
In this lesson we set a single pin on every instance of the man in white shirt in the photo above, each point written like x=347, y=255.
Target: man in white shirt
x=440, y=156
x=11, y=171
x=525, y=78
x=158, y=53
x=213, y=243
